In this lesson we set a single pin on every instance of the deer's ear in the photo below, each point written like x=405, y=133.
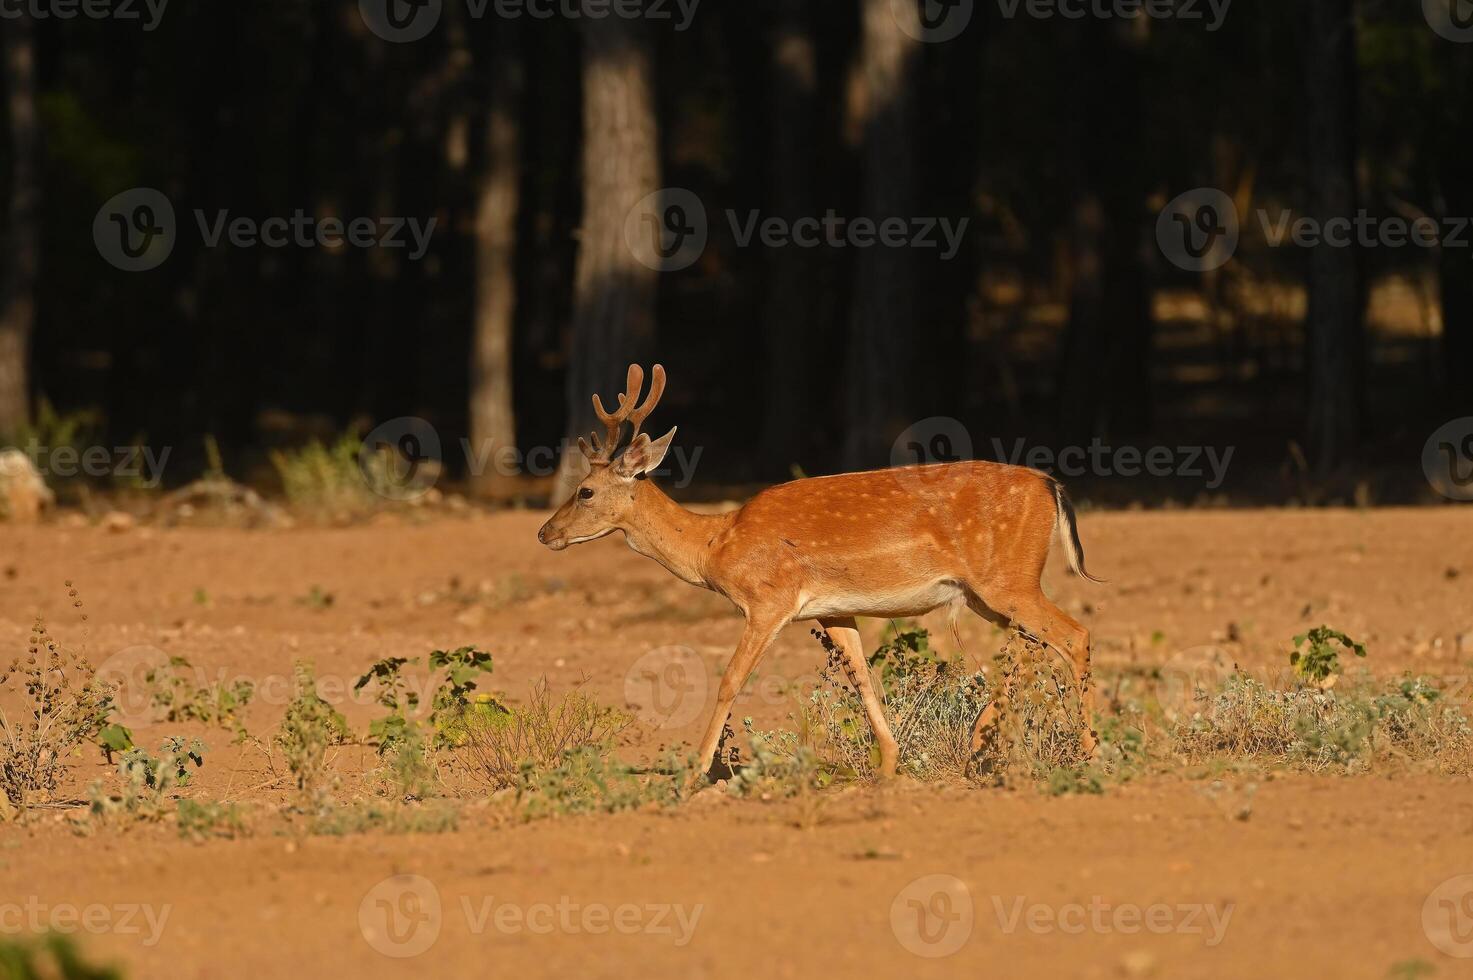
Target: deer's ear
x=643, y=455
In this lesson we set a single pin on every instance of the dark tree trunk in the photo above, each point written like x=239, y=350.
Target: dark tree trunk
x=881, y=316
x=614, y=293
x=1105, y=376
x=1456, y=279
x=1335, y=325
x=21, y=230
x=492, y=422
x=787, y=311
x=1457, y=311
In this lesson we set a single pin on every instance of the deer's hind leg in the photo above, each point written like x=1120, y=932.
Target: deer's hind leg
x=1028, y=609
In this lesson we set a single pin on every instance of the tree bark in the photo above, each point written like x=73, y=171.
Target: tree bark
x=492, y=419
x=881, y=317
x=1105, y=380
x=1455, y=282
x=21, y=236
x=1334, y=322
x=614, y=293
x=1456, y=293
x=787, y=310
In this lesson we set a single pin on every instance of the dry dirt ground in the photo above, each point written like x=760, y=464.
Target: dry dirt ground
x=1330, y=875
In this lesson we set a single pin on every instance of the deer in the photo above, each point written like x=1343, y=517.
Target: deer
x=886, y=544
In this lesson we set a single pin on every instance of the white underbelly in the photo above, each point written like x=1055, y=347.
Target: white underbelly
x=882, y=605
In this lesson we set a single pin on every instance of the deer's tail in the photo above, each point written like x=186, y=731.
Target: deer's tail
x=1069, y=531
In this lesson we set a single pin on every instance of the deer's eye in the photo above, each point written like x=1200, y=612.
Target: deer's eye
x=584, y=493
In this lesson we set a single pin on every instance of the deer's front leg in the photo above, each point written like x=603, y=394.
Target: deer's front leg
x=761, y=630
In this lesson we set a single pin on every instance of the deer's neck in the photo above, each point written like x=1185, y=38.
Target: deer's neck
x=677, y=538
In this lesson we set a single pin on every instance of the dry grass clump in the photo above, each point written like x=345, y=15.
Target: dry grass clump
x=1352, y=726
x=930, y=703
x=500, y=748
x=65, y=707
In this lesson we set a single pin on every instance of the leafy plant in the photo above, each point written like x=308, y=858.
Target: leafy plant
x=452, y=700
x=148, y=780
x=317, y=598
x=1316, y=657
x=308, y=729
x=409, y=770
x=176, y=698
x=114, y=738
x=395, y=694
x=49, y=958
x=199, y=820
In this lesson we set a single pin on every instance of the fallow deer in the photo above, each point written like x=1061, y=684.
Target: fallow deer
x=886, y=543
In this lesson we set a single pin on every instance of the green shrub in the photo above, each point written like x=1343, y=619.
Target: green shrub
x=148, y=781
x=309, y=728
x=176, y=698
x=1316, y=657
x=586, y=781
x=199, y=820
x=325, y=478
x=388, y=818
x=49, y=958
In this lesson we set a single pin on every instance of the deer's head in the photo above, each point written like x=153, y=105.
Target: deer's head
x=604, y=501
